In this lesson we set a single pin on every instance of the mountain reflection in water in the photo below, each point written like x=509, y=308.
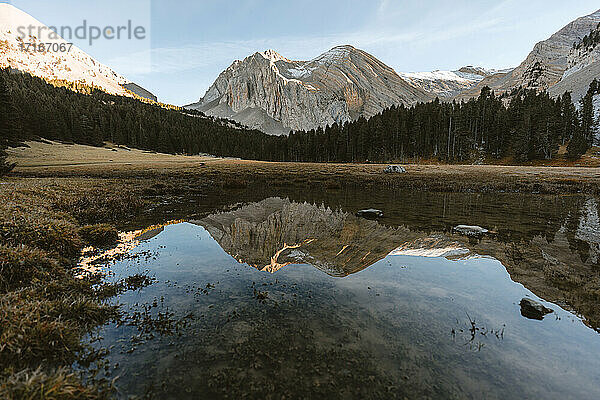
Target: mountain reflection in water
x=353, y=308
x=277, y=232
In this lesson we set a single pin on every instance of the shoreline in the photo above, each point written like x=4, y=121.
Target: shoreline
x=56, y=160
x=52, y=213
x=242, y=173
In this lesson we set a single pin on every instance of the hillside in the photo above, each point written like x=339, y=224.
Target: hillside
x=63, y=62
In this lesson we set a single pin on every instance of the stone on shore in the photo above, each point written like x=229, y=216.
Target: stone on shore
x=394, y=169
x=470, y=230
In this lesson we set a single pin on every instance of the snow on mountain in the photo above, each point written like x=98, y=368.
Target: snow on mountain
x=447, y=84
x=73, y=65
x=269, y=92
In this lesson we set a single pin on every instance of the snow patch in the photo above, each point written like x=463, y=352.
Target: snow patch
x=334, y=55
x=300, y=72
x=455, y=76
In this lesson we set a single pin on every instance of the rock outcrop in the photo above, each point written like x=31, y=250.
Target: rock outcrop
x=269, y=92
x=583, y=66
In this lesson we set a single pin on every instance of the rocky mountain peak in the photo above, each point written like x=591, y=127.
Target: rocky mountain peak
x=447, y=84
x=550, y=65
x=548, y=61
x=280, y=95
x=273, y=56
x=469, y=69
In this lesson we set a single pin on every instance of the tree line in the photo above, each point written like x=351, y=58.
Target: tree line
x=523, y=125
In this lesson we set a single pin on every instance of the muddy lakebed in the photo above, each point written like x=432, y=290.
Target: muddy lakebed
x=288, y=294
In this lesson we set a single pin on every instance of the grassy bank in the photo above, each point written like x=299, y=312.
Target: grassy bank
x=44, y=309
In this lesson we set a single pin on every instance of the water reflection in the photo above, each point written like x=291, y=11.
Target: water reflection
x=248, y=303
x=276, y=232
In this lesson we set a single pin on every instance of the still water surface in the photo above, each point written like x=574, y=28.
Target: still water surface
x=282, y=298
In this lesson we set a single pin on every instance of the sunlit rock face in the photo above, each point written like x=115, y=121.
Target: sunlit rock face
x=276, y=232
x=269, y=92
x=71, y=66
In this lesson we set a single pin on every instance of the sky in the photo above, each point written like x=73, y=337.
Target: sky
x=189, y=42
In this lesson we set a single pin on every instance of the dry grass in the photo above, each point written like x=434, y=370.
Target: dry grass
x=169, y=171
x=48, y=153
x=44, y=309
x=59, y=384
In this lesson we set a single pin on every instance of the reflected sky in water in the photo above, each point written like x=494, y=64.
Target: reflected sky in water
x=212, y=326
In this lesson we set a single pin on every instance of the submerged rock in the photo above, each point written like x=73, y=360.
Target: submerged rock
x=370, y=213
x=470, y=230
x=394, y=169
x=533, y=309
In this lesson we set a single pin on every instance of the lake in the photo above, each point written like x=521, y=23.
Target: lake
x=286, y=293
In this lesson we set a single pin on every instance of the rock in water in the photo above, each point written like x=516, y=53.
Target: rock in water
x=370, y=213
x=394, y=169
x=470, y=230
x=533, y=310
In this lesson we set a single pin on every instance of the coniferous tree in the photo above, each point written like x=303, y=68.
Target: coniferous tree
x=577, y=146
x=7, y=125
x=522, y=125
x=588, y=122
x=5, y=166
x=7, y=115
x=569, y=118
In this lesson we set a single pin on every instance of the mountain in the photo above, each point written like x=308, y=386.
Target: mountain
x=72, y=66
x=549, y=63
x=269, y=92
x=583, y=66
x=448, y=84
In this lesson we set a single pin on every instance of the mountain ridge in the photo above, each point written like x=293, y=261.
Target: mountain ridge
x=338, y=86
x=545, y=66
